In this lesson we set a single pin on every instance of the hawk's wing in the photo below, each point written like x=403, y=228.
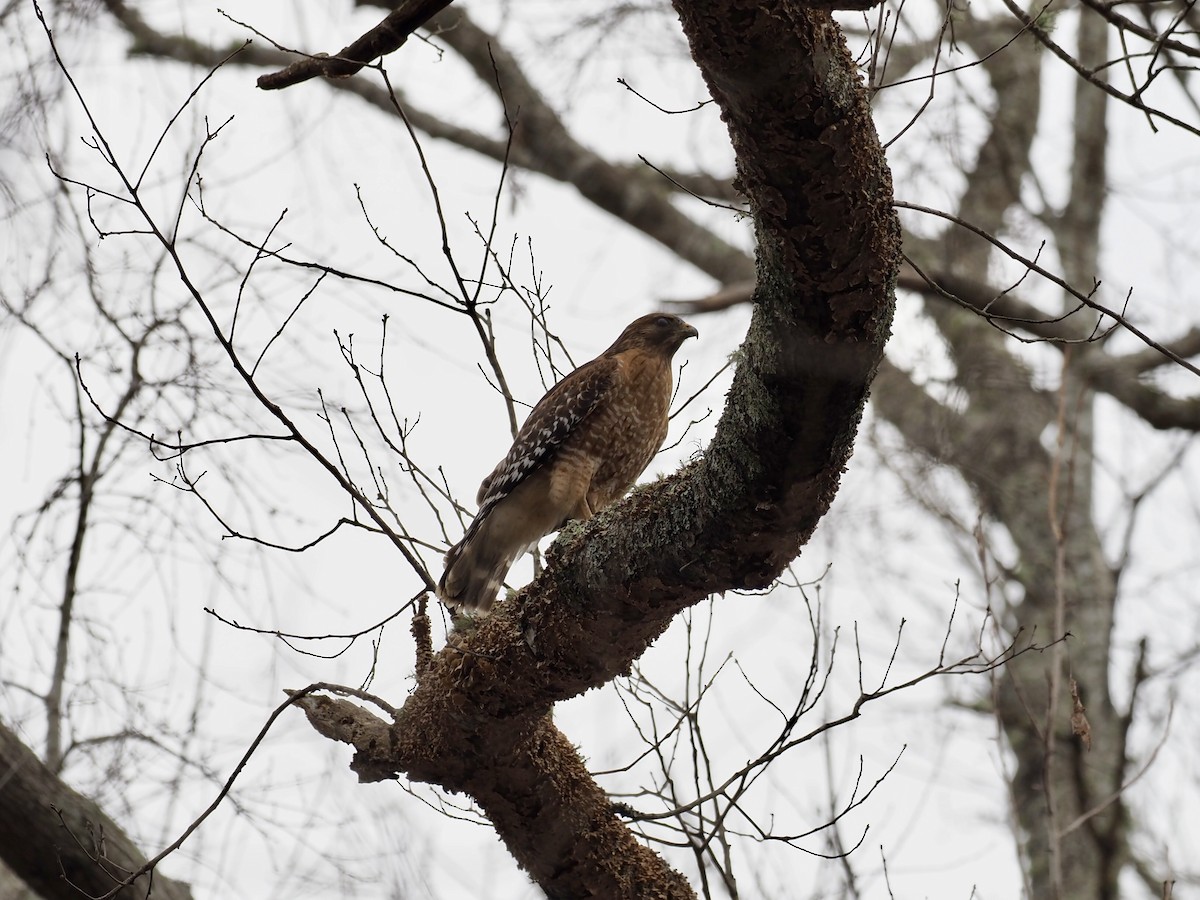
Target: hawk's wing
x=550, y=423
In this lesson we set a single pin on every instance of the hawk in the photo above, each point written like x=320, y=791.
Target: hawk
x=582, y=447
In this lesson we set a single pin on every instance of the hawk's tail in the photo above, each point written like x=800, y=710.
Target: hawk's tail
x=475, y=568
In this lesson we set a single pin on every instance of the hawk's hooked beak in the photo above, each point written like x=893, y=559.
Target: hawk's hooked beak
x=690, y=331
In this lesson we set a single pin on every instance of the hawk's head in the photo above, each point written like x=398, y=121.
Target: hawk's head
x=660, y=332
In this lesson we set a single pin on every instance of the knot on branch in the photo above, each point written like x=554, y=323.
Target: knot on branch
x=319, y=65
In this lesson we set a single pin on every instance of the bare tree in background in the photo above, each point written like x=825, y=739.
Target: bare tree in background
x=72, y=541
x=1016, y=425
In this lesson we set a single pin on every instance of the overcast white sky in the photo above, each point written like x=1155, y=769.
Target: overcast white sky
x=150, y=658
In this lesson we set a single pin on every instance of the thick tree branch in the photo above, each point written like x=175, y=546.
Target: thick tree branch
x=534, y=787
x=1113, y=376
x=91, y=852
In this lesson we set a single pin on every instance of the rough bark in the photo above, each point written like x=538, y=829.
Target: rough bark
x=59, y=842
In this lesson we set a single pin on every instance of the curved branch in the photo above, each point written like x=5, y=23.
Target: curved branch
x=808, y=157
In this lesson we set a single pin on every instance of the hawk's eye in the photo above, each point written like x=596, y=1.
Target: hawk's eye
x=662, y=321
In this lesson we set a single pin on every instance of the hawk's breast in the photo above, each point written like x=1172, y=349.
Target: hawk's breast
x=626, y=431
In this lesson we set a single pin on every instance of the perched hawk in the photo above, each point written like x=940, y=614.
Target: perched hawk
x=581, y=448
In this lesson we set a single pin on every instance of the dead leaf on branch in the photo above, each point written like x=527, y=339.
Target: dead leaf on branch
x=1080, y=726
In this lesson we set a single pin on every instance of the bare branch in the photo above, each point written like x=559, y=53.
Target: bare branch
x=386, y=37
x=1033, y=266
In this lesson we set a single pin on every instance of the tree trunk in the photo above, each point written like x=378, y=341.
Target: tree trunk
x=1065, y=787
x=1043, y=499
